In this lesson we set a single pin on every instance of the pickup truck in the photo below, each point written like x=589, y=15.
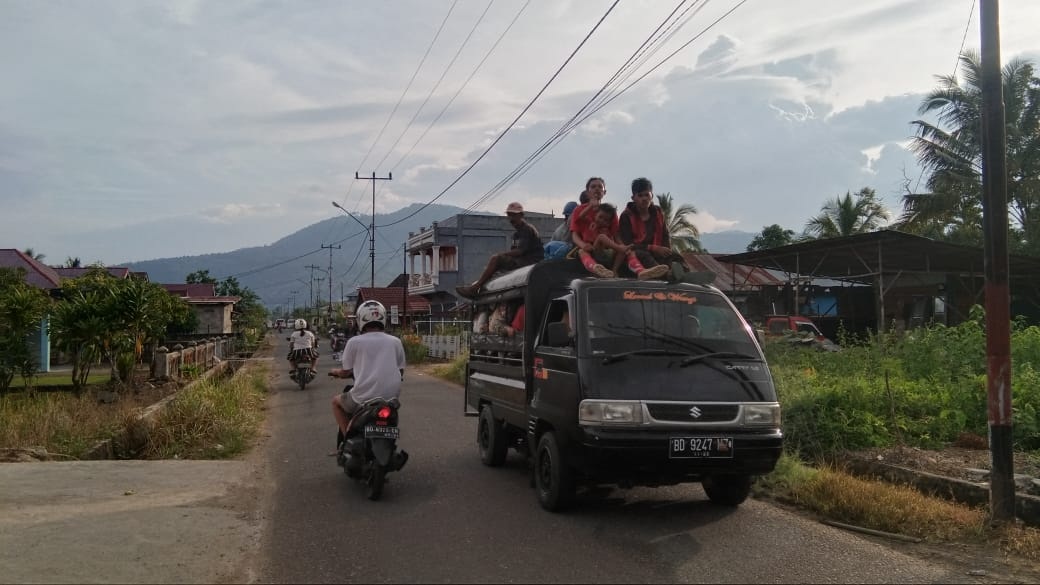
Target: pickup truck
x=798, y=329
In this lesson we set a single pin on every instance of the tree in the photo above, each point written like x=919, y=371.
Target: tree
x=772, y=236
x=22, y=309
x=846, y=216
x=32, y=254
x=200, y=277
x=71, y=262
x=951, y=151
x=684, y=235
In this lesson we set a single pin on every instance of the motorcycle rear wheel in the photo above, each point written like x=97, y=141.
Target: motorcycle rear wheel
x=374, y=482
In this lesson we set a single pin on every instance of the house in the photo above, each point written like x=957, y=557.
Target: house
x=41, y=276
x=393, y=298
x=746, y=286
x=455, y=251
x=214, y=312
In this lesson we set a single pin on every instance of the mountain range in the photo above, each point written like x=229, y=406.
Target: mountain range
x=281, y=274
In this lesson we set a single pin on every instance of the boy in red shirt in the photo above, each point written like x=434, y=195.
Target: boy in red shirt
x=597, y=242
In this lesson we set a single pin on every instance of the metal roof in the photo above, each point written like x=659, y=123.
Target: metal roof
x=730, y=277
x=860, y=258
x=394, y=296
x=37, y=273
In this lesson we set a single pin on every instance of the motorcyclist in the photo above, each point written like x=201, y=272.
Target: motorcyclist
x=303, y=345
x=374, y=359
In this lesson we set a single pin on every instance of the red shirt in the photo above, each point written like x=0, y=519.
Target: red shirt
x=586, y=227
x=518, y=319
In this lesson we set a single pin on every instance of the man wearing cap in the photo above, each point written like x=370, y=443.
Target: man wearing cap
x=560, y=243
x=526, y=250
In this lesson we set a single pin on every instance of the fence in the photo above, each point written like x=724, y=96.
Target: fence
x=446, y=346
x=198, y=356
x=442, y=326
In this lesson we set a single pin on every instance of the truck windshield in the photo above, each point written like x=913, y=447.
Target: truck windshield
x=622, y=320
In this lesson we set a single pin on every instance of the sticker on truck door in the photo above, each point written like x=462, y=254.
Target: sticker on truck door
x=540, y=372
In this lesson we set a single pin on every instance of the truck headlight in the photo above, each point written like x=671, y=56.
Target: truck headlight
x=605, y=412
x=762, y=415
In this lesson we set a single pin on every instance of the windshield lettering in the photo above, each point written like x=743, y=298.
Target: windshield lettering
x=678, y=297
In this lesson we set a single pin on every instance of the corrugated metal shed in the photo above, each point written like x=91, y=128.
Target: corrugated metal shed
x=731, y=278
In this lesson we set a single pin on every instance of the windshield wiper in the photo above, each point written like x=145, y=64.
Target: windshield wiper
x=716, y=354
x=617, y=357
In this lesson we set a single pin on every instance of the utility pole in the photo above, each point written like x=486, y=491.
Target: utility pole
x=293, y=293
x=310, y=295
x=317, y=301
x=330, y=247
x=372, y=230
x=995, y=246
x=404, y=312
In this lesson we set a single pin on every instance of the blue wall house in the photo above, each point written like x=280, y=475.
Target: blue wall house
x=455, y=251
x=41, y=276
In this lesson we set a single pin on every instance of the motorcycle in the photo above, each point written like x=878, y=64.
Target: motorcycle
x=339, y=343
x=369, y=451
x=302, y=374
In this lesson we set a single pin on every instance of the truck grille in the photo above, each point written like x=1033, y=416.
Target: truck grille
x=685, y=412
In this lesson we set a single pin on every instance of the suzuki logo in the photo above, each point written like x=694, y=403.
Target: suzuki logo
x=695, y=412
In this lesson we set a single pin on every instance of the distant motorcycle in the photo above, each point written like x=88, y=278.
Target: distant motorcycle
x=369, y=451
x=303, y=373
x=339, y=343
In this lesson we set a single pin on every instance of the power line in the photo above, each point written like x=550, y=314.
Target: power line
x=403, y=93
x=513, y=123
x=519, y=170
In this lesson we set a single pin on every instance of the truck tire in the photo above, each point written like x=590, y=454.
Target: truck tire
x=553, y=476
x=492, y=439
x=727, y=490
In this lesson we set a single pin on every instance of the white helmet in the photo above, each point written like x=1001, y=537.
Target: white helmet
x=301, y=324
x=371, y=312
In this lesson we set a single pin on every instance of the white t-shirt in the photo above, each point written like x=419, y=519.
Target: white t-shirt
x=377, y=360
x=302, y=339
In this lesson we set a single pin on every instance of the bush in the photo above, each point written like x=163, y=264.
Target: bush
x=455, y=371
x=414, y=350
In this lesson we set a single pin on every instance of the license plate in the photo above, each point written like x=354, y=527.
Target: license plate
x=382, y=432
x=700, y=447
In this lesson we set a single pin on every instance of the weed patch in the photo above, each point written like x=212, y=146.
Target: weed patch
x=453, y=371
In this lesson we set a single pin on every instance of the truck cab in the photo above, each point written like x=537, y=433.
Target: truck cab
x=620, y=382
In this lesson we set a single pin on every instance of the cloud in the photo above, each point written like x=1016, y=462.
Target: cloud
x=233, y=211
x=707, y=223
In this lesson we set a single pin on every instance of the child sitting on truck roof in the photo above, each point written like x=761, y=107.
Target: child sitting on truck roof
x=597, y=243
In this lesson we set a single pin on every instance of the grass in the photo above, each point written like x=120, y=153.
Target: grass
x=837, y=496
x=61, y=379
x=60, y=422
x=215, y=419
x=453, y=371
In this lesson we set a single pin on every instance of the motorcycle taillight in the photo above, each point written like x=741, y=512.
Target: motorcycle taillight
x=384, y=413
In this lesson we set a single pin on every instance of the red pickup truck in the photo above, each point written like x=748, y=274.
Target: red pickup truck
x=797, y=328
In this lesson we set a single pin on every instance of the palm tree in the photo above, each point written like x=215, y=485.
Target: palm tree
x=71, y=262
x=32, y=254
x=951, y=151
x=845, y=216
x=684, y=235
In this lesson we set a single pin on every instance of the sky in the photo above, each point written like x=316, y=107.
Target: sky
x=142, y=129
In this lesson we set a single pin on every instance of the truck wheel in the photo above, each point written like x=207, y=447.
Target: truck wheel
x=727, y=490
x=553, y=477
x=491, y=439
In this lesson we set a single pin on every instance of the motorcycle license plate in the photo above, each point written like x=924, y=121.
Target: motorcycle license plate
x=382, y=432
x=700, y=447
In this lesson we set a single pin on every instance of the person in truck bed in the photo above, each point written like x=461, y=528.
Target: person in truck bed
x=599, y=245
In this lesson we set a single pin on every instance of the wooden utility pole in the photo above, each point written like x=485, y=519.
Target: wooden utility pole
x=372, y=230
x=995, y=238
x=404, y=313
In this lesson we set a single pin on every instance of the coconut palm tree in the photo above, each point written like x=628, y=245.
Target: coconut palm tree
x=847, y=215
x=684, y=235
x=951, y=151
x=32, y=254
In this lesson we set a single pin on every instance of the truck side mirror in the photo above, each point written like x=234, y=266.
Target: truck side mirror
x=558, y=335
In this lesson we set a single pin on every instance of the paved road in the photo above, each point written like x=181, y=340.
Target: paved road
x=447, y=518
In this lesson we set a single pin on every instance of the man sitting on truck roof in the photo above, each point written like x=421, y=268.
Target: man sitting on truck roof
x=643, y=227
x=526, y=250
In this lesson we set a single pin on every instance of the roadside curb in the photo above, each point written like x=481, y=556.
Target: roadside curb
x=1027, y=507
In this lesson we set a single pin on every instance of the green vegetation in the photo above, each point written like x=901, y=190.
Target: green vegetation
x=453, y=371
x=22, y=308
x=213, y=419
x=922, y=388
x=60, y=379
x=61, y=422
x=414, y=350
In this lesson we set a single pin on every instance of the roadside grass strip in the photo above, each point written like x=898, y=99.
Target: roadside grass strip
x=60, y=422
x=454, y=371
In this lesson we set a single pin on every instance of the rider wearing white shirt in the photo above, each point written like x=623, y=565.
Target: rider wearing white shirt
x=303, y=345
x=374, y=359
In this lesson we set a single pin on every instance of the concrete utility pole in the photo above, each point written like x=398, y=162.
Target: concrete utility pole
x=404, y=312
x=330, y=247
x=995, y=238
x=372, y=230
x=310, y=295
